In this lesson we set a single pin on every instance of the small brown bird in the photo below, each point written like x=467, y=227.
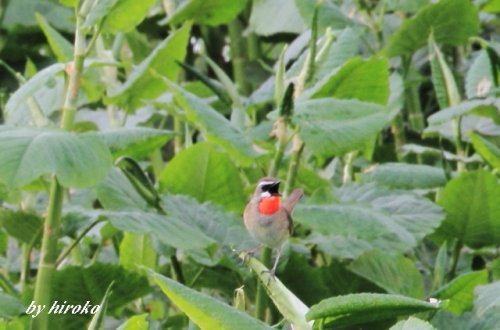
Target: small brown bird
x=267, y=218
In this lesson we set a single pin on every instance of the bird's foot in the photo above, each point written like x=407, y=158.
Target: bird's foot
x=272, y=274
x=247, y=255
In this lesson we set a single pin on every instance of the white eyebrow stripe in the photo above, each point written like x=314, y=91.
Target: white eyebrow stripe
x=263, y=183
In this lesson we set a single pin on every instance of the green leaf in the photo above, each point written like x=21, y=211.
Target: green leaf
x=395, y=274
x=61, y=47
x=25, y=227
x=329, y=14
x=136, y=250
x=487, y=298
x=460, y=291
x=136, y=322
x=409, y=6
x=445, y=86
x=206, y=12
x=275, y=16
x=412, y=323
x=144, y=82
x=207, y=312
x=124, y=15
x=405, y=176
x=204, y=172
x=367, y=217
x=98, y=11
x=360, y=308
x=215, y=126
x=291, y=307
x=98, y=319
x=10, y=307
x=76, y=285
x=225, y=228
x=488, y=108
x=473, y=212
x=136, y=141
x=459, y=16
x=116, y=192
x=487, y=147
x=364, y=80
x=44, y=80
x=480, y=78
x=331, y=127
x=77, y=160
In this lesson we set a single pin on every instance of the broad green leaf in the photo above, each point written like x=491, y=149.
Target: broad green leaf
x=487, y=298
x=275, y=16
x=136, y=250
x=467, y=321
x=116, y=192
x=409, y=6
x=25, y=227
x=10, y=307
x=360, y=308
x=487, y=147
x=459, y=16
x=77, y=160
x=145, y=82
x=367, y=217
x=209, y=12
x=405, y=176
x=487, y=108
x=444, y=83
x=225, y=228
x=412, y=323
x=125, y=15
x=215, y=126
x=460, y=291
x=170, y=231
x=19, y=15
x=472, y=209
x=61, y=47
x=292, y=309
x=206, y=173
x=76, y=285
x=329, y=14
x=134, y=142
x=207, y=312
x=136, y=322
x=364, y=80
x=98, y=11
x=395, y=274
x=440, y=267
x=480, y=78
x=46, y=78
x=331, y=127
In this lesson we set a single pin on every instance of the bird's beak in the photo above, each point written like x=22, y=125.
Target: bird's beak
x=274, y=189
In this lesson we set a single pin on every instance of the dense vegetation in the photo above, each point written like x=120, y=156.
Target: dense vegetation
x=133, y=132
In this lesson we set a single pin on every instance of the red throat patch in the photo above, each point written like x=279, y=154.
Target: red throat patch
x=270, y=205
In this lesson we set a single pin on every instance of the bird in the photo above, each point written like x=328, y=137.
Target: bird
x=268, y=218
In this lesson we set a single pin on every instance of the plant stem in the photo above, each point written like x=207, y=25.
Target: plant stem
x=261, y=299
x=293, y=167
x=454, y=259
x=238, y=56
x=75, y=242
x=48, y=257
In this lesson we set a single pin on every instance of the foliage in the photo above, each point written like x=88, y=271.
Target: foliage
x=132, y=134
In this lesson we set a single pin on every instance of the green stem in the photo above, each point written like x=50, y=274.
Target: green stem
x=179, y=134
x=238, y=59
x=454, y=259
x=293, y=167
x=75, y=242
x=26, y=266
x=48, y=256
x=397, y=130
x=261, y=299
x=457, y=132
